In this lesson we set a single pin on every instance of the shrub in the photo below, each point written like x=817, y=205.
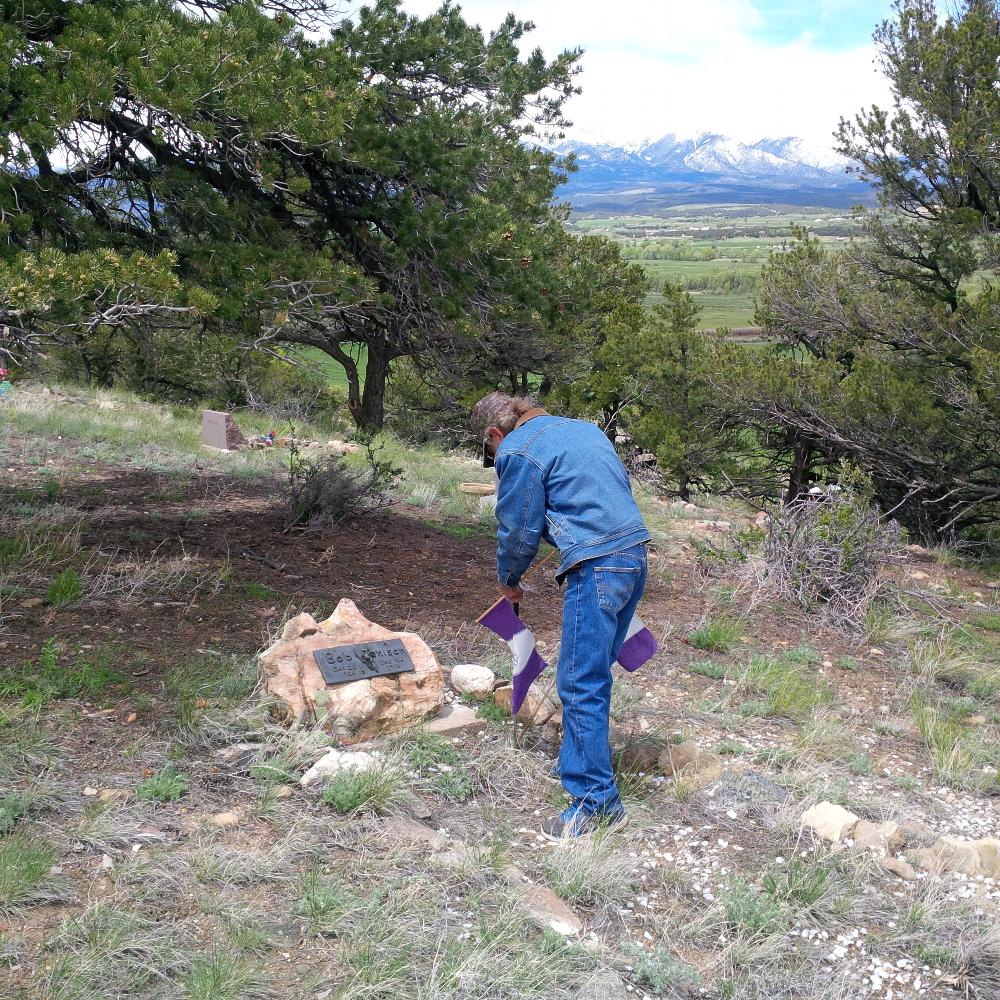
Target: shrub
x=663, y=973
x=323, y=492
x=708, y=668
x=455, y=783
x=828, y=552
x=747, y=911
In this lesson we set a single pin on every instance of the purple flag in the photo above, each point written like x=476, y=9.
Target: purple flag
x=638, y=647
x=502, y=621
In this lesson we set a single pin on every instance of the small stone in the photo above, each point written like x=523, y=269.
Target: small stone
x=830, y=821
x=548, y=910
x=109, y=795
x=225, y=820
x=405, y=831
x=335, y=761
x=89, y=791
x=900, y=867
x=881, y=838
x=283, y=792
x=473, y=679
x=33, y=602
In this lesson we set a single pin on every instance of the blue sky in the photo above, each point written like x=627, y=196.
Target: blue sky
x=746, y=68
x=833, y=25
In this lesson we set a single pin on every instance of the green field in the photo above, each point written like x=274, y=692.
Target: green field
x=704, y=247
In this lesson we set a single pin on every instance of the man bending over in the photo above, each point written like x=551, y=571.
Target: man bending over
x=560, y=480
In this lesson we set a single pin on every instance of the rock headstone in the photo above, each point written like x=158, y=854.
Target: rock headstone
x=357, y=710
x=219, y=430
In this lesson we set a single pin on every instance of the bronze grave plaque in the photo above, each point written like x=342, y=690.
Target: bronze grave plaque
x=363, y=660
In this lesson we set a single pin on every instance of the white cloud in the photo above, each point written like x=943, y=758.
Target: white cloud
x=657, y=66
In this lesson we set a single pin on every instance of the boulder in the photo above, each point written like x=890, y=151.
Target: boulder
x=880, y=838
x=830, y=821
x=335, y=761
x=473, y=679
x=952, y=854
x=356, y=710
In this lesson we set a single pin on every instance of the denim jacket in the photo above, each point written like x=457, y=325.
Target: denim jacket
x=561, y=480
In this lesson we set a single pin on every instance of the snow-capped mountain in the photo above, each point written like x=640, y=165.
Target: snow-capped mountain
x=710, y=167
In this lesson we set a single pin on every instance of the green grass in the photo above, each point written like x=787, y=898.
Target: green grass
x=47, y=679
x=424, y=750
x=168, y=785
x=257, y=591
x=324, y=901
x=375, y=791
x=961, y=756
x=801, y=882
x=25, y=872
x=715, y=635
x=787, y=689
x=106, y=951
x=708, y=668
x=220, y=975
x=65, y=589
x=988, y=622
x=202, y=683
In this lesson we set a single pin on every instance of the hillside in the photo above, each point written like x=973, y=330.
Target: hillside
x=159, y=842
x=707, y=169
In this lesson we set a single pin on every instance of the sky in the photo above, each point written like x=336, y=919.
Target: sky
x=745, y=68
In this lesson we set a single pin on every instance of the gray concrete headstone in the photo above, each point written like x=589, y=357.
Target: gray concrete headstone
x=219, y=430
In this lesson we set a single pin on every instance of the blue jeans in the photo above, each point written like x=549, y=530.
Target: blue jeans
x=601, y=596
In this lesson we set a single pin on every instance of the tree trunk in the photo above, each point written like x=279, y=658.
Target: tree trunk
x=798, y=473
x=369, y=410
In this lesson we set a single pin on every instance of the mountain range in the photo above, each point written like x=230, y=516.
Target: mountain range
x=708, y=168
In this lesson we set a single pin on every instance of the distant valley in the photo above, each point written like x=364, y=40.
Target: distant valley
x=708, y=169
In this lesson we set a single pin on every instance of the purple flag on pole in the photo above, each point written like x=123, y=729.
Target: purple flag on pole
x=638, y=647
x=502, y=621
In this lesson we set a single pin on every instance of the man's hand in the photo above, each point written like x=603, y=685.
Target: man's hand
x=513, y=594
